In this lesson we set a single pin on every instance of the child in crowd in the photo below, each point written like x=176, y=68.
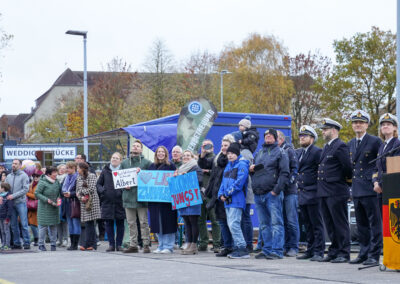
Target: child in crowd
x=233, y=193
x=5, y=215
x=244, y=125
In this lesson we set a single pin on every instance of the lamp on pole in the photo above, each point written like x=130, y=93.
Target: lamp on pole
x=85, y=103
x=222, y=73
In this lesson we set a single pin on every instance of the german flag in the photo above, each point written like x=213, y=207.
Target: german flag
x=391, y=220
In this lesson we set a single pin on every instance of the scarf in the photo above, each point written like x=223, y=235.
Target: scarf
x=61, y=178
x=185, y=168
x=115, y=168
x=50, y=179
x=222, y=160
x=34, y=183
x=69, y=182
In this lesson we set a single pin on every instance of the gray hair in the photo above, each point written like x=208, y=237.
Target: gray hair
x=179, y=148
x=281, y=135
x=229, y=138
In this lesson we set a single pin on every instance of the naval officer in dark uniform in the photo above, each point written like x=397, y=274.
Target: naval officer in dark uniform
x=310, y=207
x=333, y=173
x=363, y=149
x=388, y=131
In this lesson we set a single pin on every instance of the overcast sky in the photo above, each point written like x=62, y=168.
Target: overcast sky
x=41, y=50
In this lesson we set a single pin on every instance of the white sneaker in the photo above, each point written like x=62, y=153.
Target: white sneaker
x=157, y=251
x=166, y=251
x=184, y=246
x=64, y=243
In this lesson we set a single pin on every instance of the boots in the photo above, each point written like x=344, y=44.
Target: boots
x=192, y=249
x=74, y=242
x=35, y=242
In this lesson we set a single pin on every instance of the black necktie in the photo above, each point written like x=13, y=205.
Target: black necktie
x=358, y=143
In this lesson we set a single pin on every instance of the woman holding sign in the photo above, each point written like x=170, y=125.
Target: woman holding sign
x=111, y=203
x=190, y=214
x=163, y=220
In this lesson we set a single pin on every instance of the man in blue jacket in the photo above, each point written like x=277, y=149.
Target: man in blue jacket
x=233, y=193
x=269, y=177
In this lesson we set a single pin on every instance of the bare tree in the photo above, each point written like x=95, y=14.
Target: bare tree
x=305, y=71
x=159, y=64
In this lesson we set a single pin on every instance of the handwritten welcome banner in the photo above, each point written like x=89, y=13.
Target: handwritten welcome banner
x=125, y=178
x=185, y=190
x=153, y=186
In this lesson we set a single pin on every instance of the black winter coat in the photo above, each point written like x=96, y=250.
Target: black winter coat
x=161, y=211
x=111, y=198
x=217, y=170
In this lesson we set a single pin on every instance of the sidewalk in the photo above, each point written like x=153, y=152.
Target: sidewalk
x=100, y=267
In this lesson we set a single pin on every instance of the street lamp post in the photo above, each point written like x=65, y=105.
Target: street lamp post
x=222, y=73
x=85, y=103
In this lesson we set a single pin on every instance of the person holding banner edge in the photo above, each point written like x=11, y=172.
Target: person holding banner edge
x=132, y=207
x=190, y=214
x=163, y=220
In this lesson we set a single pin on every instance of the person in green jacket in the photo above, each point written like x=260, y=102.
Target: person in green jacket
x=48, y=216
x=132, y=207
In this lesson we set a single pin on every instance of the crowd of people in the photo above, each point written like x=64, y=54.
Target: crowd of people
x=282, y=182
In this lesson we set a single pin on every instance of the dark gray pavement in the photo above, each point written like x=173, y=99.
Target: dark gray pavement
x=100, y=267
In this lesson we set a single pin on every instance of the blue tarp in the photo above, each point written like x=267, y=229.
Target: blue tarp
x=227, y=122
x=154, y=135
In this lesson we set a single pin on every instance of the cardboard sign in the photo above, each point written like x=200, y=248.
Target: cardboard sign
x=185, y=190
x=153, y=186
x=124, y=178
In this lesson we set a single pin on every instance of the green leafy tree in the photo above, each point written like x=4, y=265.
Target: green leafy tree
x=259, y=82
x=364, y=77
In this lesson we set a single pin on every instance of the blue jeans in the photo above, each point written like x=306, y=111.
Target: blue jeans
x=291, y=221
x=166, y=241
x=20, y=210
x=234, y=217
x=247, y=225
x=259, y=241
x=226, y=234
x=35, y=231
x=270, y=217
x=74, y=226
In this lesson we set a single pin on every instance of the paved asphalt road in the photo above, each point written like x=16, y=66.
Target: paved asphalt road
x=100, y=267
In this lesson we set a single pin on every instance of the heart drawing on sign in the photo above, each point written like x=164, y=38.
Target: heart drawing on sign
x=115, y=174
x=145, y=177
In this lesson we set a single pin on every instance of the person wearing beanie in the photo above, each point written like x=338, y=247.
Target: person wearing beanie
x=244, y=125
x=233, y=192
x=269, y=175
x=234, y=148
